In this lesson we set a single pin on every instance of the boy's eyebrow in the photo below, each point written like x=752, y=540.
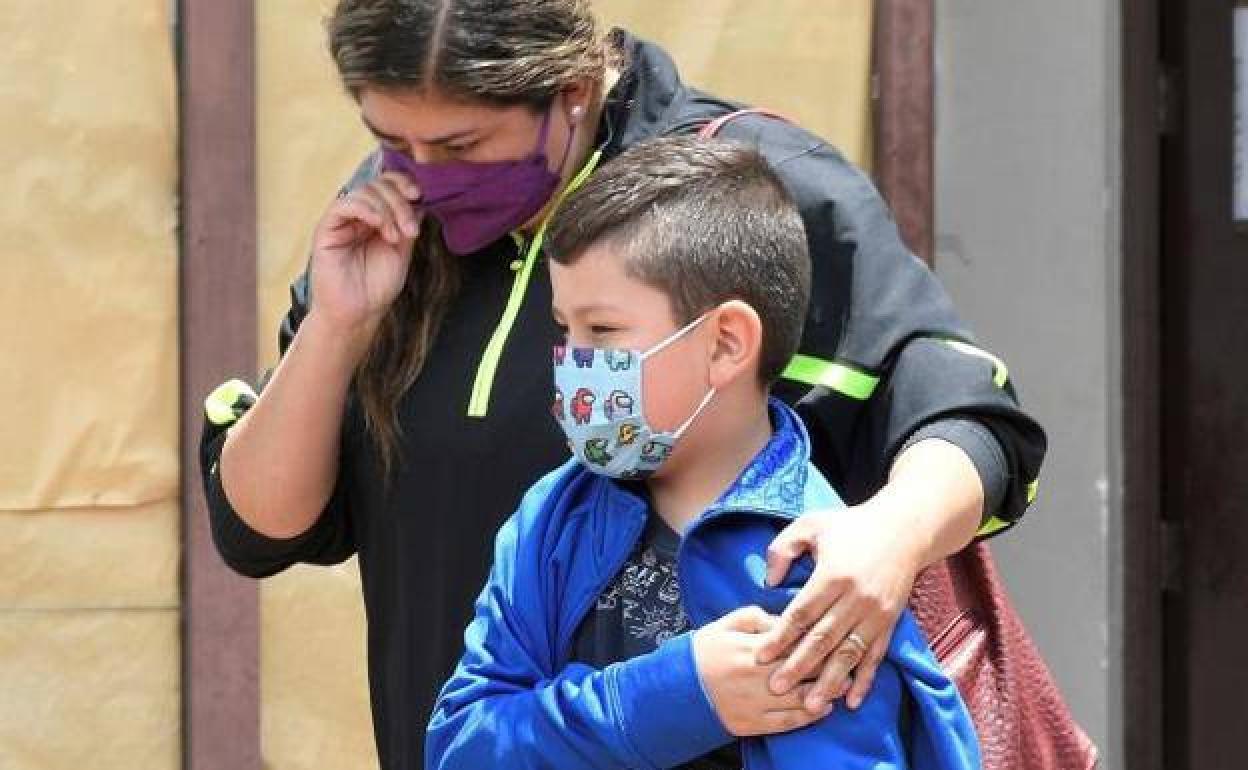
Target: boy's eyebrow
x=399, y=140
x=586, y=309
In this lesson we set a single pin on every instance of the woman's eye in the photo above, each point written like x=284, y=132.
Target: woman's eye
x=460, y=149
x=603, y=329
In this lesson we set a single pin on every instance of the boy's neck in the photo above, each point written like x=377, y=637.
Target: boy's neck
x=710, y=457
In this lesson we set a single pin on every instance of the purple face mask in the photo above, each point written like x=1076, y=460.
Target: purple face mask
x=478, y=203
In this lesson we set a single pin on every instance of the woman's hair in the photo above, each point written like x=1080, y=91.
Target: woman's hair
x=498, y=52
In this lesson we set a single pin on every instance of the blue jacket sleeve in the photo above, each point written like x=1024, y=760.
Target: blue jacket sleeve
x=510, y=703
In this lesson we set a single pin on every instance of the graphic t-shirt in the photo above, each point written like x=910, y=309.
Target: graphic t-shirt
x=639, y=610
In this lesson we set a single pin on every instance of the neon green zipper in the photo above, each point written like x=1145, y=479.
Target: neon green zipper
x=483, y=385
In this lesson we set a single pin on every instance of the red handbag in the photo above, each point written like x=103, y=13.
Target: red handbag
x=1019, y=714
x=1021, y=719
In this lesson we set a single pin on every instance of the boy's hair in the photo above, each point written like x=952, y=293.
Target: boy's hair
x=704, y=221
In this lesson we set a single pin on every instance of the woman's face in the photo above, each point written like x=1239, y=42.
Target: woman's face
x=431, y=128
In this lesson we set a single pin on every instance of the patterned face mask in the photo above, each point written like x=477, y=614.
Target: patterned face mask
x=599, y=406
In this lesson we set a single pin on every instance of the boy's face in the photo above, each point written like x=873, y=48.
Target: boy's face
x=597, y=304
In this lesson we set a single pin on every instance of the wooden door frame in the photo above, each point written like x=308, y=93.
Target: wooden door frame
x=217, y=297
x=1141, y=701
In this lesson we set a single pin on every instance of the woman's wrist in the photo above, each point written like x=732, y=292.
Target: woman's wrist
x=337, y=342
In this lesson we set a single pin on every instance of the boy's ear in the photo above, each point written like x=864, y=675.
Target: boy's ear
x=737, y=343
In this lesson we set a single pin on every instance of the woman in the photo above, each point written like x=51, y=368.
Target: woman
x=399, y=424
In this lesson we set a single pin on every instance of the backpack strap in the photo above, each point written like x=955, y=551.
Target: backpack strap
x=713, y=127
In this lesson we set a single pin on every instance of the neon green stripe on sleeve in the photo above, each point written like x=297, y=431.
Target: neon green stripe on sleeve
x=843, y=378
x=219, y=405
x=1000, y=373
x=993, y=526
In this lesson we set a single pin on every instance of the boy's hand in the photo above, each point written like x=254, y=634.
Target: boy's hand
x=726, y=653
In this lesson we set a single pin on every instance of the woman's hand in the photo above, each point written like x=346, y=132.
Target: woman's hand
x=361, y=251
x=866, y=561
x=864, y=571
x=726, y=653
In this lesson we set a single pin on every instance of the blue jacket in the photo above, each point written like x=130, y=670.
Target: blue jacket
x=516, y=701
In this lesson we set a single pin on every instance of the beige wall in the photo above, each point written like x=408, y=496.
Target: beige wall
x=315, y=709
x=88, y=461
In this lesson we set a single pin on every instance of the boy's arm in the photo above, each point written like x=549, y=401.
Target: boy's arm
x=507, y=706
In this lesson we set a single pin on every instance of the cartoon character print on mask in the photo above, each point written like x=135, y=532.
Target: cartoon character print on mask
x=628, y=433
x=583, y=406
x=596, y=451
x=618, y=404
x=556, y=409
x=656, y=452
x=616, y=440
x=618, y=360
x=584, y=357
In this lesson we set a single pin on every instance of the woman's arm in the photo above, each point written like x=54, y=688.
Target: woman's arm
x=280, y=461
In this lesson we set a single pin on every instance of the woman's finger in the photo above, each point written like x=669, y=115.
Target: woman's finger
x=811, y=604
x=404, y=184
x=357, y=208
x=369, y=199
x=838, y=668
x=793, y=541
x=816, y=654
x=864, y=675
x=388, y=189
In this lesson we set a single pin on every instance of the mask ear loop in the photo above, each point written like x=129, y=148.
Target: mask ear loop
x=675, y=336
x=685, y=425
x=659, y=347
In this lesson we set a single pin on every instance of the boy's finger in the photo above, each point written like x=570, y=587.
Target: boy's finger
x=749, y=620
x=788, y=720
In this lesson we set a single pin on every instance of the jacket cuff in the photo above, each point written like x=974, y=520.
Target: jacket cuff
x=664, y=711
x=982, y=447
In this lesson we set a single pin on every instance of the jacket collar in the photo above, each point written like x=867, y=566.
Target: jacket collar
x=775, y=480
x=645, y=99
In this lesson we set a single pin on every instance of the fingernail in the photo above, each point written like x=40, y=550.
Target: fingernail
x=409, y=229
x=781, y=684
x=815, y=705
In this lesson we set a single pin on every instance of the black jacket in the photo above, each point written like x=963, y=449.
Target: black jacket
x=884, y=358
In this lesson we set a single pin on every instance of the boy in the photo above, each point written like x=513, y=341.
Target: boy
x=680, y=275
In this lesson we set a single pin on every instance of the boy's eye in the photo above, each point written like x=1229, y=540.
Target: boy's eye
x=603, y=329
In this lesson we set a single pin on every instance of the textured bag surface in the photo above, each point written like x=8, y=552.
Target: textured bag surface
x=1019, y=714
x=1022, y=721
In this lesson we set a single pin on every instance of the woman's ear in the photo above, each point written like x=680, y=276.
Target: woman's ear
x=736, y=345
x=576, y=97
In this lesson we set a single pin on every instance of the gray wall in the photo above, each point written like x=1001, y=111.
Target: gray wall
x=1027, y=192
